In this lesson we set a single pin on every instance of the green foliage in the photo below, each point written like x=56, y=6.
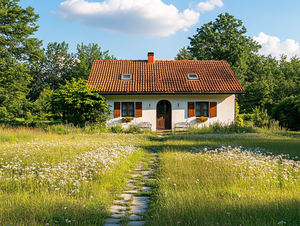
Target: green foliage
x=184, y=54
x=201, y=119
x=239, y=121
x=133, y=129
x=127, y=119
x=86, y=54
x=18, y=51
x=287, y=112
x=223, y=39
x=116, y=128
x=260, y=117
x=218, y=128
x=79, y=103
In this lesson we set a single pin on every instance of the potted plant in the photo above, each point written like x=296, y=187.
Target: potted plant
x=201, y=119
x=127, y=119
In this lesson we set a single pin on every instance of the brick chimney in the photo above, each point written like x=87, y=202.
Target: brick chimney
x=150, y=57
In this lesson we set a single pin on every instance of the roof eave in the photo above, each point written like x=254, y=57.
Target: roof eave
x=149, y=93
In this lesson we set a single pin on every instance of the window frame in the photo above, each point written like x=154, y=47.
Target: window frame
x=201, y=108
x=191, y=74
x=127, y=114
x=126, y=79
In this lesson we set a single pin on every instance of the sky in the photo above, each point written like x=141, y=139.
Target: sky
x=130, y=29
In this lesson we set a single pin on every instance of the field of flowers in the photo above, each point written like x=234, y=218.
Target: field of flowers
x=70, y=179
x=202, y=183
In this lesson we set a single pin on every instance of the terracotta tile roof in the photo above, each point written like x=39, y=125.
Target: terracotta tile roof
x=163, y=77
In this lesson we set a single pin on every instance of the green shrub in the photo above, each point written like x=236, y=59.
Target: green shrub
x=260, y=117
x=133, y=129
x=218, y=128
x=239, y=121
x=287, y=112
x=117, y=128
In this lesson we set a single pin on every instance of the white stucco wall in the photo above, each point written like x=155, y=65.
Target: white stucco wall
x=179, y=106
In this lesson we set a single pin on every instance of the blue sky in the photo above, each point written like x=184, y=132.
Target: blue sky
x=131, y=28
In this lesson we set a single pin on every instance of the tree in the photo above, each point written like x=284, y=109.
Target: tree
x=86, y=54
x=18, y=51
x=184, y=54
x=287, y=112
x=224, y=39
x=79, y=103
x=55, y=68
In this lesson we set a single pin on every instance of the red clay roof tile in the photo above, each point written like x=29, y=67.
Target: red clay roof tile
x=163, y=77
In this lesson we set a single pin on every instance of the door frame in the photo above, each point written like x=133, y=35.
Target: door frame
x=170, y=114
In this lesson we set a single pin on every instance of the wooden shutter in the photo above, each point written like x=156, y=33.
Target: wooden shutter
x=138, y=109
x=191, y=109
x=213, y=109
x=117, y=111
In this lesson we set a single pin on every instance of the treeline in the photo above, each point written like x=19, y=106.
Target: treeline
x=36, y=82
x=29, y=74
x=268, y=81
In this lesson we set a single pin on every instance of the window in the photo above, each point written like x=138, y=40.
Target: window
x=193, y=76
x=126, y=77
x=163, y=108
x=201, y=109
x=127, y=109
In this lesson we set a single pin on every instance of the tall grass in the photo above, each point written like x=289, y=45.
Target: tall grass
x=224, y=185
x=72, y=179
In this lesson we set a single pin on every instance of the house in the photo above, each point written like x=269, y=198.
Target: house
x=166, y=92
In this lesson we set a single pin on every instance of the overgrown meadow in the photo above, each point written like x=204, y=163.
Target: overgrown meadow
x=227, y=179
x=202, y=179
x=49, y=179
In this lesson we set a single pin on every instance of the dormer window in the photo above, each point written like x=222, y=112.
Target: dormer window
x=192, y=76
x=126, y=77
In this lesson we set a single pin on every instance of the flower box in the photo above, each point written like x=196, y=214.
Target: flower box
x=201, y=119
x=127, y=119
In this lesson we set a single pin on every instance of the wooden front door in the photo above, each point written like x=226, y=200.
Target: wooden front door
x=163, y=115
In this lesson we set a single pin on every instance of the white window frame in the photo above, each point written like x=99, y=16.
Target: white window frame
x=192, y=78
x=126, y=78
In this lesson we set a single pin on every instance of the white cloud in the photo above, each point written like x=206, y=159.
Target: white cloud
x=209, y=5
x=134, y=17
x=272, y=45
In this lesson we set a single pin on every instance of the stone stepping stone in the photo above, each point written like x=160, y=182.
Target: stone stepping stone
x=147, y=172
x=112, y=221
x=136, y=223
x=138, y=209
x=126, y=196
x=117, y=209
x=141, y=201
x=151, y=162
x=139, y=168
x=135, y=175
x=119, y=215
x=132, y=191
x=135, y=217
x=147, y=189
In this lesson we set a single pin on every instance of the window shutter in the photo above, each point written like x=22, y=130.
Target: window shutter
x=213, y=109
x=191, y=109
x=117, y=109
x=138, y=109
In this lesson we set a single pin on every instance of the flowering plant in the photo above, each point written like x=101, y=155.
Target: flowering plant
x=127, y=119
x=201, y=119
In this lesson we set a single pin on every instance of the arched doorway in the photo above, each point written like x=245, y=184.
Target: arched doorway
x=163, y=113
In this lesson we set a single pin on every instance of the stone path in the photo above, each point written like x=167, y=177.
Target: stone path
x=130, y=210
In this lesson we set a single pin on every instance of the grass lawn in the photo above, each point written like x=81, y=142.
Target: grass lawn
x=49, y=179
x=203, y=183
x=203, y=179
